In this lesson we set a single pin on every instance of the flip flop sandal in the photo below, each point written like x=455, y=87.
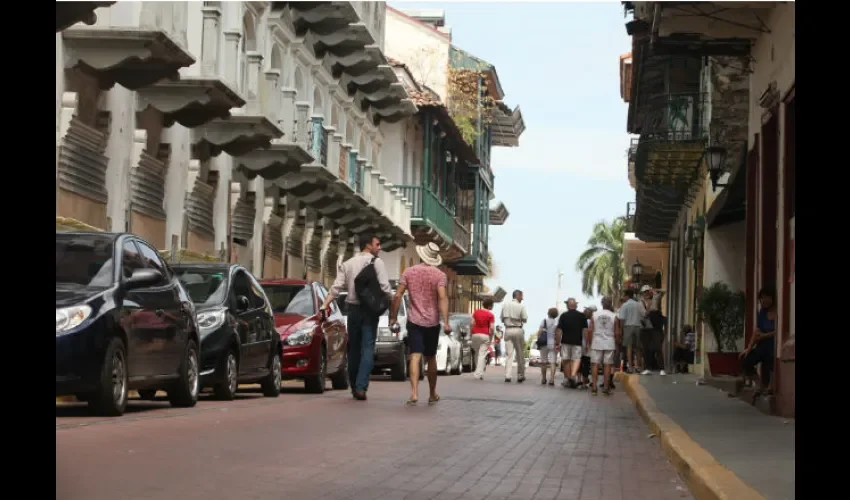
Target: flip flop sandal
x=411, y=402
x=433, y=401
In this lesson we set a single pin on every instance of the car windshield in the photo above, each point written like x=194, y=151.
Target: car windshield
x=291, y=299
x=205, y=286
x=343, y=305
x=84, y=260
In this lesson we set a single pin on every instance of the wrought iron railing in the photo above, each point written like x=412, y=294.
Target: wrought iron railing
x=427, y=207
x=461, y=236
x=318, y=140
x=323, y=150
x=679, y=117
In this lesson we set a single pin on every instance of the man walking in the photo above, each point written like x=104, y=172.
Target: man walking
x=426, y=287
x=605, y=330
x=483, y=328
x=514, y=316
x=362, y=319
x=571, y=326
x=629, y=317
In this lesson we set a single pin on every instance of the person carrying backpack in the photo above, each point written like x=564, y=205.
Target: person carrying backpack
x=364, y=276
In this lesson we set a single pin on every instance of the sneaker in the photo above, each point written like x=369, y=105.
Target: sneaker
x=662, y=372
x=564, y=384
x=543, y=382
x=572, y=384
x=507, y=381
x=646, y=372
x=551, y=382
x=606, y=392
x=520, y=380
x=594, y=391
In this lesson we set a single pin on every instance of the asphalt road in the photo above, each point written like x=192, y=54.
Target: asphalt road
x=483, y=440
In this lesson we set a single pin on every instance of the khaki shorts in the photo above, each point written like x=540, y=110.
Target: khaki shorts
x=570, y=352
x=631, y=336
x=602, y=357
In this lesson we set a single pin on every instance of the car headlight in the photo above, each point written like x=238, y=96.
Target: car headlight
x=69, y=318
x=301, y=337
x=210, y=320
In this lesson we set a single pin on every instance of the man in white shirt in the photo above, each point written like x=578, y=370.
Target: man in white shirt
x=605, y=332
x=514, y=316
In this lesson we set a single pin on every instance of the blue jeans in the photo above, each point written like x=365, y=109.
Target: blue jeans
x=362, y=330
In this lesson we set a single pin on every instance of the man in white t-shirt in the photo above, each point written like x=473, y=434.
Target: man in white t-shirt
x=605, y=331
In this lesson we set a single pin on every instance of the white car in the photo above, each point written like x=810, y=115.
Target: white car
x=449, y=353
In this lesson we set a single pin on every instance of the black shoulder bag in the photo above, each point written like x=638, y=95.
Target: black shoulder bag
x=368, y=290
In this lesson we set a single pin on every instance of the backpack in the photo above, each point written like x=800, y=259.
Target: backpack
x=368, y=290
x=543, y=338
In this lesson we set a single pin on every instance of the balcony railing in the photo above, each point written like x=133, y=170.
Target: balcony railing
x=678, y=117
x=631, y=208
x=429, y=209
x=460, y=236
x=633, y=146
x=318, y=141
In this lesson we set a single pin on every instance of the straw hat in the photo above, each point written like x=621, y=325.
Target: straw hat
x=430, y=254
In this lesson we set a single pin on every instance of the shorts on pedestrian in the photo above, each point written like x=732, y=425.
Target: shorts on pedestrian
x=605, y=357
x=422, y=339
x=570, y=352
x=631, y=336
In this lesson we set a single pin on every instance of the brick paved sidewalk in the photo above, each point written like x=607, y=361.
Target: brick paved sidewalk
x=757, y=448
x=484, y=440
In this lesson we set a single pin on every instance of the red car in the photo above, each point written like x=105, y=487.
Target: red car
x=313, y=350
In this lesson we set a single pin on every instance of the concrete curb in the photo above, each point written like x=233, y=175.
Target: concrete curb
x=706, y=478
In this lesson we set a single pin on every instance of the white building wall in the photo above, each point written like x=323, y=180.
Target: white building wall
x=424, y=50
x=724, y=261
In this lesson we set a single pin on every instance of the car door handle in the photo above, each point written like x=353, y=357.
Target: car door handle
x=160, y=312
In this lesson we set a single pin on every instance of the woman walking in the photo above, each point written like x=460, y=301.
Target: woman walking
x=548, y=346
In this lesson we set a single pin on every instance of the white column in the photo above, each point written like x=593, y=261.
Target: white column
x=302, y=114
x=287, y=109
x=368, y=193
x=221, y=206
x=210, y=48
x=231, y=59
x=271, y=97
x=257, y=243
x=334, y=151
x=252, y=95
x=121, y=104
x=176, y=181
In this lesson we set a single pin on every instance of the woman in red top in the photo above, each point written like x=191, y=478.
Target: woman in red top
x=483, y=326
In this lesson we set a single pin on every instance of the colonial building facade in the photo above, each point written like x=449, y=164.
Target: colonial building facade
x=711, y=97
x=244, y=131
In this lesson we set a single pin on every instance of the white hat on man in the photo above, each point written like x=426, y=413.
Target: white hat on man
x=430, y=254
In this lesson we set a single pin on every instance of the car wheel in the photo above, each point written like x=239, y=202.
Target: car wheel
x=271, y=384
x=226, y=389
x=110, y=398
x=147, y=394
x=468, y=366
x=184, y=393
x=316, y=383
x=339, y=380
x=398, y=372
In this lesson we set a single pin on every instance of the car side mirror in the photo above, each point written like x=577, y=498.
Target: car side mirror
x=242, y=303
x=142, y=278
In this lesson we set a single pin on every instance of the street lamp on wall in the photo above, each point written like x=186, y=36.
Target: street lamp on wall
x=716, y=158
x=637, y=271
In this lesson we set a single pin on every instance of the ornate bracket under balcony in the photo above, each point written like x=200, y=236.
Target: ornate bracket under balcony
x=131, y=57
x=498, y=214
x=324, y=18
x=346, y=41
x=358, y=63
x=273, y=162
x=238, y=135
x=70, y=13
x=190, y=101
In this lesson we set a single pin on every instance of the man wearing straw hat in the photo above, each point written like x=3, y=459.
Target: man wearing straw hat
x=426, y=286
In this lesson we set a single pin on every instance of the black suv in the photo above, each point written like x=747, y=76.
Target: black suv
x=239, y=344
x=123, y=321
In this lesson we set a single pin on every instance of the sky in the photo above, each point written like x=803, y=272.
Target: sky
x=560, y=63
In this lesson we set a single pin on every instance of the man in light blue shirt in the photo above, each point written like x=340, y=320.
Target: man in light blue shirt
x=631, y=320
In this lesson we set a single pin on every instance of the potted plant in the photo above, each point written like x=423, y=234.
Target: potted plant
x=722, y=309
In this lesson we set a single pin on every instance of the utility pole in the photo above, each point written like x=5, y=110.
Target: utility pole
x=558, y=297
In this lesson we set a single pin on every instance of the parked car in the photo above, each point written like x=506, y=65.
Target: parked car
x=123, y=321
x=239, y=344
x=313, y=349
x=449, y=352
x=461, y=329
x=391, y=351
x=533, y=356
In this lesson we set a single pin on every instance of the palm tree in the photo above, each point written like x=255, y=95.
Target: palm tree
x=601, y=265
